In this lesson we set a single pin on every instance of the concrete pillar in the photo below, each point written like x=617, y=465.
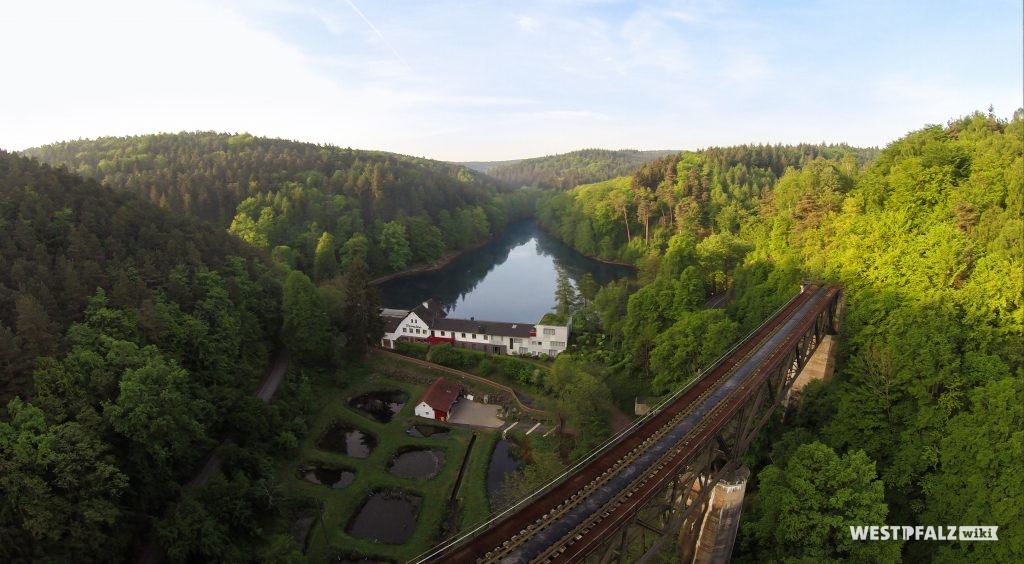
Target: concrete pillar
x=722, y=519
x=821, y=366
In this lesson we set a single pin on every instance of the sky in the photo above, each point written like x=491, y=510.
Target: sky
x=477, y=80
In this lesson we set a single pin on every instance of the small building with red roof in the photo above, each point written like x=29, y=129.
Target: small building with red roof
x=438, y=401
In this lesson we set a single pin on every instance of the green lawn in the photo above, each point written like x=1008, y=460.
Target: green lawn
x=340, y=506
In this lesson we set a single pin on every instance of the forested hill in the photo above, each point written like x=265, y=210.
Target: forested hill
x=923, y=422
x=696, y=193
x=285, y=195
x=569, y=169
x=134, y=338
x=485, y=166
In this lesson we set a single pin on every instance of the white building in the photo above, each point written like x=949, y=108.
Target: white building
x=428, y=323
x=409, y=325
x=437, y=402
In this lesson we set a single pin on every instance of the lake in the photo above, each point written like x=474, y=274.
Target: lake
x=512, y=278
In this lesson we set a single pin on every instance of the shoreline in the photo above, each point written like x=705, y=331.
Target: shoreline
x=450, y=257
x=438, y=264
x=581, y=253
x=603, y=261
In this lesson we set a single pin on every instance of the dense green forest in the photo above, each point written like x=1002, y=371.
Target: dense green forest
x=567, y=170
x=134, y=336
x=690, y=193
x=924, y=421
x=301, y=200
x=134, y=339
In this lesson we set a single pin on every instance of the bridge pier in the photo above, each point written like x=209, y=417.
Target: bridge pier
x=721, y=521
x=821, y=366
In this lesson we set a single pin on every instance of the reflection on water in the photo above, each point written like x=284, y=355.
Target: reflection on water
x=382, y=405
x=510, y=279
x=344, y=439
x=332, y=477
x=502, y=464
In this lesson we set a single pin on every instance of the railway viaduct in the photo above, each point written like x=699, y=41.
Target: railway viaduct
x=676, y=473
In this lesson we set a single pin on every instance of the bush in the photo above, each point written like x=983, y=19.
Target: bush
x=447, y=355
x=415, y=350
x=519, y=371
x=552, y=318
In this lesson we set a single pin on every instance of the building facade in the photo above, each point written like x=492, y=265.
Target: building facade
x=428, y=323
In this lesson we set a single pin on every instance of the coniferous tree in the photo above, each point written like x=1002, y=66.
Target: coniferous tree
x=566, y=297
x=362, y=311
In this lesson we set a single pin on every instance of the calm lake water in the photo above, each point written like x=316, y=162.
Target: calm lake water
x=510, y=279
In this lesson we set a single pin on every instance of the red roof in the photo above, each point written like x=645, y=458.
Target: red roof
x=442, y=394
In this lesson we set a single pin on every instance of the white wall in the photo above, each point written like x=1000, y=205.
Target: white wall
x=544, y=343
x=424, y=410
x=409, y=325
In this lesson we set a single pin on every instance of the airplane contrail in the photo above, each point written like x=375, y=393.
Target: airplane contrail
x=379, y=34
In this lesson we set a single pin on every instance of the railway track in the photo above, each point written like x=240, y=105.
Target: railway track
x=572, y=515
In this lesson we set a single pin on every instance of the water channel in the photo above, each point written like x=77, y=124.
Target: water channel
x=512, y=278
x=503, y=463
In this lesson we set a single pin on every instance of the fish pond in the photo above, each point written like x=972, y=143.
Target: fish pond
x=380, y=405
x=345, y=439
x=416, y=462
x=388, y=517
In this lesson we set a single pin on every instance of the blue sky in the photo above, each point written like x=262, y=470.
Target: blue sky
x=475, y=80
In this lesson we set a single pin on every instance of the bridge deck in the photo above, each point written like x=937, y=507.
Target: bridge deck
x=656, y=451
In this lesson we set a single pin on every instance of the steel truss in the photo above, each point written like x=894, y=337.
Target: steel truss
x=678, y=504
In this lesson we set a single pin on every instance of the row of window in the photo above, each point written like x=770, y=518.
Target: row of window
x=516, y=340
x=443, y=333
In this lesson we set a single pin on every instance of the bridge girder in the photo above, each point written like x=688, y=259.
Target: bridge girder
x=723, y=452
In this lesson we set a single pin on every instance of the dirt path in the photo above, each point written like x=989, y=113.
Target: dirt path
x=618, y=419
x=717, y=302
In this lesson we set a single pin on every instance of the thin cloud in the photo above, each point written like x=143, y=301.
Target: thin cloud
x=527, y=23
x=379, y=34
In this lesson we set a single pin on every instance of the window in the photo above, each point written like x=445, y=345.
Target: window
x=549, y=331
x=442, y=333
x=524, y=350
x=517, y=340
x=558, y=344
x=463, y=335
x=474, y=335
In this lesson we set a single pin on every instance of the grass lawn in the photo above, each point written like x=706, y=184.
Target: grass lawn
x=339, y=507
